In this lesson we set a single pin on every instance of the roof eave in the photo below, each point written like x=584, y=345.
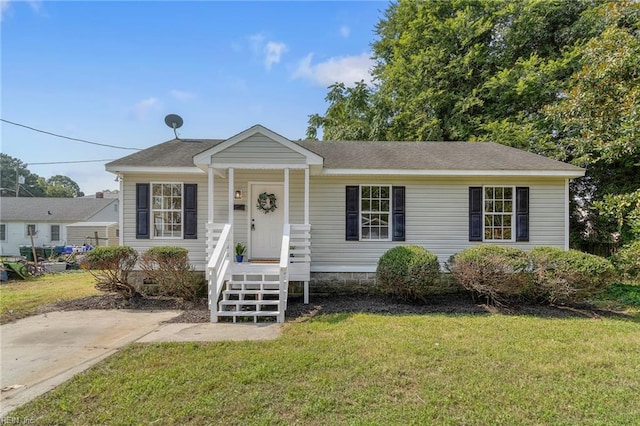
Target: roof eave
x=422, y=172
x=154, y=169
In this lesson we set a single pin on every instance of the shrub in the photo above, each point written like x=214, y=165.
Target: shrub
x=407, y=272
x=498, y=274
x=111, y=266
x=169, y=267
x=627, y=261
x=567, y=276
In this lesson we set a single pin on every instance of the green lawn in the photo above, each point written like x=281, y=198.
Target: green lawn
x=370, y=369
x=19, y=298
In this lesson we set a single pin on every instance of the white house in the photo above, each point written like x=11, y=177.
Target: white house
x=324, y=212
x=47, y=219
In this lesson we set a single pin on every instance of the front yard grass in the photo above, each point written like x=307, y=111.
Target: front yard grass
x=370, y=369
x=19, y=298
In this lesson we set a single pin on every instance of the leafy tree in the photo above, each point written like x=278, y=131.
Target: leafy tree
x=63, y=186
x=10, y=167
x=597, y=122
x=34, y=185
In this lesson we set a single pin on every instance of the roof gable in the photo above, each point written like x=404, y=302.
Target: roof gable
x=269, y=141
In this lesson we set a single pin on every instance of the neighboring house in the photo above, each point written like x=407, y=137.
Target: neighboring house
x=336, y=207
x=47, y=219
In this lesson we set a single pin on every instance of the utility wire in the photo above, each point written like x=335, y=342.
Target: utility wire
x=67, y=137
x=70, y=162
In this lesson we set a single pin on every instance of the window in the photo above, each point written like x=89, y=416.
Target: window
x=498, y=213
x=166, y=210
x=3, y=232
x=31, y=229
x=55, y=232
x=375, y=213
x=375, y=210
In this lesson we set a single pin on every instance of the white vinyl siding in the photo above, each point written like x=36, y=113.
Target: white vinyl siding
x=196, y=247
x=436, y=215
x=259, y=149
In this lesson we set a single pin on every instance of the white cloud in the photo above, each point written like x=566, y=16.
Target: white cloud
x=142, y=108
x=345, y=31
x=273, y=52
x=343, y=69
x=182, y=95
x=5, y=7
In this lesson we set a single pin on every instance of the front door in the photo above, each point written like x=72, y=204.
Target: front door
x=266, y=221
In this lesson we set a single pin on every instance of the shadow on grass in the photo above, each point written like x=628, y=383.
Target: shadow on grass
x=454, y=304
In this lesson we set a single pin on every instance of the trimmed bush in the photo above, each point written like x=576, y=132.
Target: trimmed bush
x=627, y=262
x=498, y=274
x=568, y=276
x=407, y=272
x=111, y=266
x=169, y=268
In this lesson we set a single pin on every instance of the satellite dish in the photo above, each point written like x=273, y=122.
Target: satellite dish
x=174, y=121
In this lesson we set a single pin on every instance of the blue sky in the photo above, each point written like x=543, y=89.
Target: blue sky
x=109, y=72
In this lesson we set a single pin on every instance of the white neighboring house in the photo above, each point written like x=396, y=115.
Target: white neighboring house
x=48, y=219
x=323, y=213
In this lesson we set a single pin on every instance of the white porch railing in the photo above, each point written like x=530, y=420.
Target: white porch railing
x=284, y=271
x=218, y=237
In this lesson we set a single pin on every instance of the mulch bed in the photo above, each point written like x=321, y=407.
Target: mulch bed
x=461, y=304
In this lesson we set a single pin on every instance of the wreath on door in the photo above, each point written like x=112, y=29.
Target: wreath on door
x=267, y=203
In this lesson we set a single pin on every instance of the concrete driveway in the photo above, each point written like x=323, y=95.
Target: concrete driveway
x=43, y=351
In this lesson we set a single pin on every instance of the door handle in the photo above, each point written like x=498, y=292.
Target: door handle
x=253, y=224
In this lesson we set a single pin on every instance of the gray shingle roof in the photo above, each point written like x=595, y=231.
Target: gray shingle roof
x=430, y=156
x=370, y=155
x=173, y=153
x=26, y=209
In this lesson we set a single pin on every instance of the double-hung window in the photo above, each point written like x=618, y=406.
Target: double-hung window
x=498, y=213
x=166, y=210
x=375, y=212
x=55, y=232
x=3, y=232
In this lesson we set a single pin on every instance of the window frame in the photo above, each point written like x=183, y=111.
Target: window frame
x=59, y=231
x=512, y=214
x=153, y=210
x=3, y=232
x=389, y=213
x=35, y=229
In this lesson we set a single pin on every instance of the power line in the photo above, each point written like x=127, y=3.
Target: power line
x=69, y=162
x=68, y=137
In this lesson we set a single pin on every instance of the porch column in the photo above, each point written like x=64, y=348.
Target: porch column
x=306, y=195
x=286, y=196
x=231, y=192
x=211, y=193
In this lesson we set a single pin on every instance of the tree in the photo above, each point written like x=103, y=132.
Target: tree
x=63, y=186
x=597, y=121
x=34, y=185
x=10, y=169
x=461, y=70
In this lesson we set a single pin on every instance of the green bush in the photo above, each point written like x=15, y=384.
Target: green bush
x=567, y=276
x=111, y=266
x=169, y=268
x=407, y=272
x=498, y=274
x=627, y=262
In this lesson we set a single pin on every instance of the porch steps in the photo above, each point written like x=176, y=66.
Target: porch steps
x=251, y=295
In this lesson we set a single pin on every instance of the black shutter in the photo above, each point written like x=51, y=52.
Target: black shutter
x=475, y=213
x=522, y=213
x=190, y=231
x=142, y=210
x=398, y=213
x=352, y=213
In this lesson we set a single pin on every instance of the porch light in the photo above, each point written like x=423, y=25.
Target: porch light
x=237, y=195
